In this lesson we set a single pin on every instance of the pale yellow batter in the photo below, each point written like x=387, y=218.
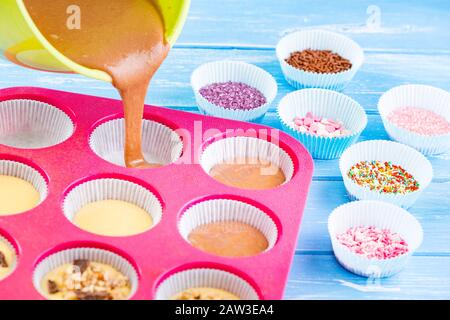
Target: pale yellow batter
x=8, y=258
x=16, y=195
x=95, y=281
x=113, y=218
x=205, y=294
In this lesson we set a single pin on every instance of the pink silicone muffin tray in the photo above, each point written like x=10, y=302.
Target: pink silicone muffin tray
x=161, y=251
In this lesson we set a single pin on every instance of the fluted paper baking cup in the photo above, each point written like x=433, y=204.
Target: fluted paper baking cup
x=112, y=189
x=224, y=71
x=10, y=246
x=27, y=173
x=230, y=149
x=160, y=144
x=205, y=278
x=328, y=104
x=220, y=210
x=373, y=214
x=30, y=124
x=399, y=154
x=68, y=256
x=420, y=96
x=319, y=40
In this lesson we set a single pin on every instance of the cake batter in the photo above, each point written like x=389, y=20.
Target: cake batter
x=113, y=218
x=249, y=174
x=17, y=195
x=229, y=239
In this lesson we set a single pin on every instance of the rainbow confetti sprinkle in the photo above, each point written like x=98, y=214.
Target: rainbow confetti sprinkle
x=383, y=177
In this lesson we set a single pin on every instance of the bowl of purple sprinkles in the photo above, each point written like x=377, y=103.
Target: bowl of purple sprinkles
x=233, y=90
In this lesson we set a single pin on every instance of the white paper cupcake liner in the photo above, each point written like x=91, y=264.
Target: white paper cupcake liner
x=220, y=210
x=160, y=144
x=328, y=104
x=30, y=124
x=224, y=71
x=229, y=149
x=377, y=214
x=13, y=266
x=27, y=173
x=112, y=189
x=319, y=40
x=410, y=159
x=421, y=96
x=60, y=258
x=205, y=277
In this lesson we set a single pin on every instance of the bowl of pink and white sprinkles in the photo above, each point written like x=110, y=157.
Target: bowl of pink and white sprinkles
x=419, y=116
x=326, y=122
x=373, y=242
x=373, y=238
x=233, y=90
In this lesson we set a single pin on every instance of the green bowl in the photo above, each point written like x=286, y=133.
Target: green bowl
x=22, y=43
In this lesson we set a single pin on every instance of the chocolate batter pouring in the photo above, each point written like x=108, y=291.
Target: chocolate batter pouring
x=124, y=38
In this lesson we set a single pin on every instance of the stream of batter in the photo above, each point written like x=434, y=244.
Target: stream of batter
x=124, y=38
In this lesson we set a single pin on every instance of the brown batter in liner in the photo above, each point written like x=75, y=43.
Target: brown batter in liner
x=229, y=239
x=251, y=174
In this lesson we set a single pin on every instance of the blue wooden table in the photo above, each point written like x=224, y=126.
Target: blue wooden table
x=411, y=45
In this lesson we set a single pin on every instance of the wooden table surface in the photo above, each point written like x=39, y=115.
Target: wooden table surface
x=412, y=45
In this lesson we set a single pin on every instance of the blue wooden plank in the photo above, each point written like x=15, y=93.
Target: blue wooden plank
x=432, y=210
x=413, y=25
x=321, y=277
x=171, y=86
x=329, y=169
x=177, y=93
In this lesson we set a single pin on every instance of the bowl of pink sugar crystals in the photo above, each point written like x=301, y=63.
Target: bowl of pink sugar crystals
x=419, y=116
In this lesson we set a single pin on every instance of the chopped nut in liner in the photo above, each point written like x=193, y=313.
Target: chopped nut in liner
x=7, y=259
x=86, y=280
x=3, y=262
x=205, y=294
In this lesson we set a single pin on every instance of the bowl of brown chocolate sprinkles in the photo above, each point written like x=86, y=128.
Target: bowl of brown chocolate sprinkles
x=319, y=59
